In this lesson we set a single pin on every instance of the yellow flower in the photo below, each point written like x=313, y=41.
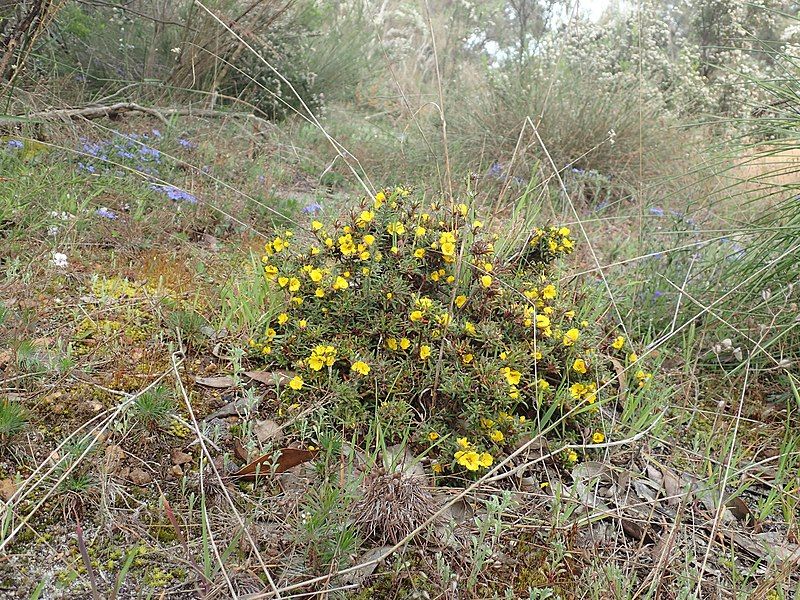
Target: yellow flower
x=360, y=367
x=462, y=208
x=322, y=356
x=419, y=253
x=512, y=376
x=468, y=459
x=570, y=314
x=467, y=358
x=316, y=225
x=415, y=316
x=447, y=242
x=380, y=198
x=302, y=323
x=296, y=383
x=405, y=343
x=346, y=245
x=271, y=271
x=283, y=318
x=463, y=443
x=618, y=343
x=485, y=460
x=364, y=255
x=598, y=437
x=543, y=385
x=433, y=436
x=497, y=436
x=294, y=284
x=513, y=393
x=572, y=456
x=420, y=231
x=564, y=231
x=424, y=351
x=282, y=281
x=319, y=293
x=571, y=336
x=469, y=328
x=632, y=357
x=364, y=218
x=396, y=228
x=315, y=275
x=542, y=321
x=437, y=468
x=279, y=244
x=486, y=281
x=340, y=283
x=549, y=292
x=579, y=366
x=369, y=239
x=477, y=224
x=461, y=301
x=487, y=423
x=391, y=343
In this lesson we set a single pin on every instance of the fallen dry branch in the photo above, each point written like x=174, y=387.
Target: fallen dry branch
x=115, y=111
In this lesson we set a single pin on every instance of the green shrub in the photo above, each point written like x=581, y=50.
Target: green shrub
x=404, y=308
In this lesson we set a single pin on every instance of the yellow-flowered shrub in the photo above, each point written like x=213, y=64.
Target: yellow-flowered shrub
x=405, y=303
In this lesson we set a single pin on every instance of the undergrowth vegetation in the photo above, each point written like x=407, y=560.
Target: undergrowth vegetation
x=399, y=300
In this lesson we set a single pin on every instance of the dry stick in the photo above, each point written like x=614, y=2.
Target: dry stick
x=367, y=188
x=120, y=108
x=225, y=492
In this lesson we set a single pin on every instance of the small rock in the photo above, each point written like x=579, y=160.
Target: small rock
x=180, y=458
x=176, y=471
x=114, y=456
x=7, y=489
x=140, y=476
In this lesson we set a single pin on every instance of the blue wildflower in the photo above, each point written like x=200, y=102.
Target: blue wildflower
x=86, y=167
x=174, y=193
x=659, y=212
x=496, y=170
x=105, y=213
x=185, y=143
x=312, y=209
x=14, y=144
x=156, y=133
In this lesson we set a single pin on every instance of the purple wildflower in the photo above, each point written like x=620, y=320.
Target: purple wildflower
x=185, y=143
x=496, y=170
x=659, y=212
x=106, y=213
x=312, y=209
x=174, y=193
x=14, y=144
x=87, y=167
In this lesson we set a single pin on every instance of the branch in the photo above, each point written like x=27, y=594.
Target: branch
x=113, y=111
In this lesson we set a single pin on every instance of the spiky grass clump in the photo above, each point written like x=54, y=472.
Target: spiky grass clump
x=154, y=408
x=12, y=419
x=393, y=504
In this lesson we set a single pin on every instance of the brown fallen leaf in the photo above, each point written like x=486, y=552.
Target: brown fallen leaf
x=740, y=510
x=239, y=451
x=270, y=377
x=267, y=430
x=288, y=458
x=215, y=382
